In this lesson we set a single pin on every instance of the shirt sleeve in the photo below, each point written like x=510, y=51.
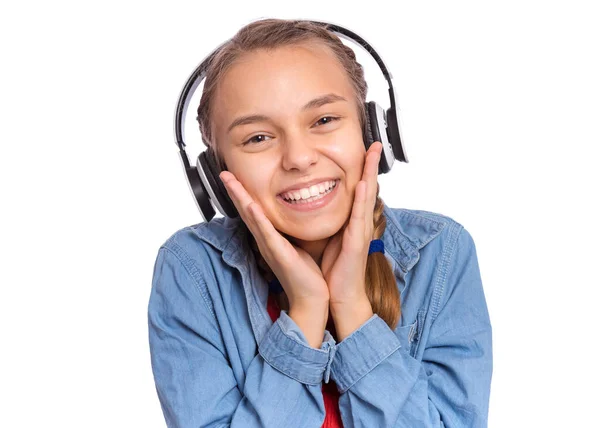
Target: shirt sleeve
x=383, y=385
x=194, y=380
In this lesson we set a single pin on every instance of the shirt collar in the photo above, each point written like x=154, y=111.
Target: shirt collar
x=405, y=234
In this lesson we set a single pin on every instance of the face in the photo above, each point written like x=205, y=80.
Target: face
x=296, y=142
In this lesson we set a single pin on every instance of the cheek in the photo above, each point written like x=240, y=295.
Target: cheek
x=256, y=181
x=349, y=155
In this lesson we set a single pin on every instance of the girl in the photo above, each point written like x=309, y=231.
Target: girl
x=319, y=305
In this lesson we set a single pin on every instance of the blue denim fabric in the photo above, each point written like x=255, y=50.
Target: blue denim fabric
x=219, y=361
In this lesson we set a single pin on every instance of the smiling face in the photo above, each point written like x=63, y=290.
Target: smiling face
x=298, y=140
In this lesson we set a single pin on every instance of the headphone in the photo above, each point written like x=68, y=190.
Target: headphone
x=204, y=182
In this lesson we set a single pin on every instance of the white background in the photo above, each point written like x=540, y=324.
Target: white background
x=500, y=106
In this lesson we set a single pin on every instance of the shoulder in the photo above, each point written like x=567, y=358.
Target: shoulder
x=410, y=216
x=421, y=226
x=414, y=234
x=453, y=232
x=214, y=236
x=204, y=249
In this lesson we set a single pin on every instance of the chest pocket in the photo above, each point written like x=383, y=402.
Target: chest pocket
x=406, y=334
x=410, y=334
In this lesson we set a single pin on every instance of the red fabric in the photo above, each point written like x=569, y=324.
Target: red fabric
x=331, y=395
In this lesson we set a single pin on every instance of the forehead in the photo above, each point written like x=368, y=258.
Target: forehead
x=279, y=81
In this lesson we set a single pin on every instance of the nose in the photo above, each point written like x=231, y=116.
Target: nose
x=299, y=153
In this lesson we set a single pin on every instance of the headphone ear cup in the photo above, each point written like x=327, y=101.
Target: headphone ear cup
x=372, y=131
x=395, y=134
x=377, y=130
x=209, y=172
x=368, y=134
x=198, y=189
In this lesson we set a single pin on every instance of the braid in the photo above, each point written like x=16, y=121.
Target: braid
x=380, y=281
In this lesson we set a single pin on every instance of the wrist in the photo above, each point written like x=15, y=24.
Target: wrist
x=312, y=320
x=350, y=304
x=348, y=317
x=309, y=305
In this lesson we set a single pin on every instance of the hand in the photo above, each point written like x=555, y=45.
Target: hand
x=344, y=260
x=299, y=275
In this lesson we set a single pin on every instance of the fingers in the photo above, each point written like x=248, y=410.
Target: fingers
x=267, y=237
x=239, y=196
x=371, y=170
x=370, y=173
x=357, y=224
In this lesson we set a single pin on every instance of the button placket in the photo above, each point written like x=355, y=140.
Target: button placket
x=331, y=348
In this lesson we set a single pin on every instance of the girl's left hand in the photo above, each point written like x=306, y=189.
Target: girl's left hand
x=344, y=260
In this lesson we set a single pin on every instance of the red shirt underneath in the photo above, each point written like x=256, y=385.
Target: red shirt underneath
x=331, y=395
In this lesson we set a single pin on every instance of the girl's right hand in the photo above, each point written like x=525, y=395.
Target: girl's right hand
x=298, y=273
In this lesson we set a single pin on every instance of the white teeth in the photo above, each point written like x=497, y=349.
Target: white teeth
x=305, y=193
x=309, y=192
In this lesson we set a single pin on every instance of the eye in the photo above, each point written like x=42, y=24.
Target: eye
x=253, y=139
x=331, y=119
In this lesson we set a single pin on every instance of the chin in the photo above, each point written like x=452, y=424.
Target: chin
x=314, y=231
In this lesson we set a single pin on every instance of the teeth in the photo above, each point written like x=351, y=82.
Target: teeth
x=314, y=190
x=305, y=193
x=309, y=192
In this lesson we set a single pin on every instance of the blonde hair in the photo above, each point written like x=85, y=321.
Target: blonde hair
x=380, y=281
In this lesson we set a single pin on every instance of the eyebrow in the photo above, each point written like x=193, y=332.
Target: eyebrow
x=314, y=103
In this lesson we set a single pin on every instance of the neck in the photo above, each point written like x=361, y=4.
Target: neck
x=314, y=248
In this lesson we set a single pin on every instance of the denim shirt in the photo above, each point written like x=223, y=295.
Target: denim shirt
x=219, y=361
